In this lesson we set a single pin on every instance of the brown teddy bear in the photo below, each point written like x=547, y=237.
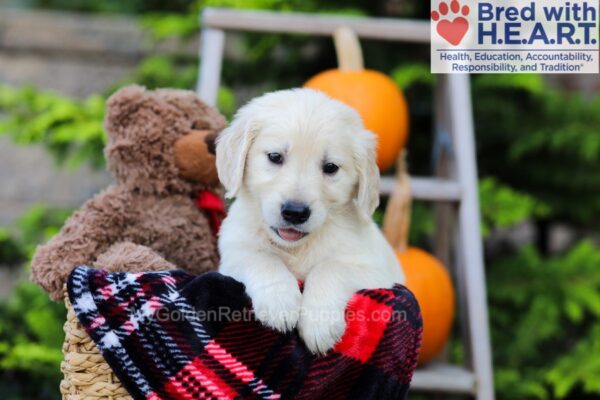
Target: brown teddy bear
x=165, y=206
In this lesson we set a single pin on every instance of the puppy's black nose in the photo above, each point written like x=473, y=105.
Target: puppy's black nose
x=294, y=212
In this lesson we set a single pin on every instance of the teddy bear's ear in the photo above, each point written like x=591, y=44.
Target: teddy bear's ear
x=200, y=115
x=121, y=103
x=125, y=95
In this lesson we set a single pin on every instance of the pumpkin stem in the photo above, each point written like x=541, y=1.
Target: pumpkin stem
x=396, y=221
x=347, y=48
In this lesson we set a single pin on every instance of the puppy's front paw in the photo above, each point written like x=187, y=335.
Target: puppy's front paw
x=321, y=329
x=278, y=307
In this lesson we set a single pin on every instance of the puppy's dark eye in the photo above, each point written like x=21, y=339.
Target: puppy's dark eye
x=275, y=158
x=330, y=168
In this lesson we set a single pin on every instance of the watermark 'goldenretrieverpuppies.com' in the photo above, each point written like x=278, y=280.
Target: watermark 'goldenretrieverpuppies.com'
x=302, y=169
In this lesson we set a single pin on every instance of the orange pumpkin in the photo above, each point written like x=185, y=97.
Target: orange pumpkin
x=430, y=282
x=374, y=95
x=426, y=277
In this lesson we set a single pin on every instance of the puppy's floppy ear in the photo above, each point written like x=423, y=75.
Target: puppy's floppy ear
x=367, y=193
x=233, y=144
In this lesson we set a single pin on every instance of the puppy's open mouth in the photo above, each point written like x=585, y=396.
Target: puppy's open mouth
x=289, y=234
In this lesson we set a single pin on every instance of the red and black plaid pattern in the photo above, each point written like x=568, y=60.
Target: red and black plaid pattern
x=170, y=335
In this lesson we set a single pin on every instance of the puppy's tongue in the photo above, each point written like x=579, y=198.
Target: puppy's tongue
x=290, y=234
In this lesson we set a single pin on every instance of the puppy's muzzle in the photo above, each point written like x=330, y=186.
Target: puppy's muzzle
x=295, y=212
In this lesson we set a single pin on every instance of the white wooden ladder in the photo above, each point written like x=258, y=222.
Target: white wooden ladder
x=454, y=189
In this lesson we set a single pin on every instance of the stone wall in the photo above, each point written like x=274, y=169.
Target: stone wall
x=75, y=55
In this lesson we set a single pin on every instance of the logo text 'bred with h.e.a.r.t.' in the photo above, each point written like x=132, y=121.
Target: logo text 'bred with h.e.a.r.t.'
x=516, y=36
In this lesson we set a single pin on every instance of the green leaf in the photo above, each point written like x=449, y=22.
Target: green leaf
x=70, y=129
x=409, y=75
x=503, y=207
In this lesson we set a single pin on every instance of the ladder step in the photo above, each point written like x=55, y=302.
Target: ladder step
x=316, y=24
x=434, y=189
x=440, y=377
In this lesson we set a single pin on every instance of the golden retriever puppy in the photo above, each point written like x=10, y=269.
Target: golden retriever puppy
x=302, y=169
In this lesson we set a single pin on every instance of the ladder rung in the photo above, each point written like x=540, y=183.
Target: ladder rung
x=439, y=377
x=435, y=189
x=317, y=24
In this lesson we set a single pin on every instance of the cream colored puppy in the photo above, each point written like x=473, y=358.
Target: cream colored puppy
x=302, y=169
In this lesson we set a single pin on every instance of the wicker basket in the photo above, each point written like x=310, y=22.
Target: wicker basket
x=87, y=376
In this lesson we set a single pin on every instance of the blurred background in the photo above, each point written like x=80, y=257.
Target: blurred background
x=538, y=149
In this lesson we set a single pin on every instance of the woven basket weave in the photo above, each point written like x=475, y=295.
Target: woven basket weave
x=87, y=376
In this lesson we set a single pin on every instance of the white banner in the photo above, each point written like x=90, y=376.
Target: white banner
x=514, y=36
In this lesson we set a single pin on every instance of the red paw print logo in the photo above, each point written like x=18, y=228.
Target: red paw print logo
x=453, y=30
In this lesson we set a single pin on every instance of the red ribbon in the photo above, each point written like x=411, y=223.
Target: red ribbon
x=214, y=206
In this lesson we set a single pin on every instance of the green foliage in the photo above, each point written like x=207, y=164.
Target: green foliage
x=30, y=324
x=10, y=251
x=545, y=317
x=35, y=226
x=261, y=52
x=541, y=142
x=70, y=129
x=164, y=26
x=164, y=71
x=112, y=6
x=503, y=207
x=183, y=25
x=408, y=75
x=38, y=225
x=226, y=101
x=578, y=369
x=421, y=224
x=30, y=341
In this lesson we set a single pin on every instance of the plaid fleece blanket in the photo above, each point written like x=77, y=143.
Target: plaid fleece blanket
x=171, y=335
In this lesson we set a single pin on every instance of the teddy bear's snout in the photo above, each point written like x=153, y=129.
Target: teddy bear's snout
x=195, y=157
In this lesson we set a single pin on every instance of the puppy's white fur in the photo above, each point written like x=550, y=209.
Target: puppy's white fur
x=342, y=250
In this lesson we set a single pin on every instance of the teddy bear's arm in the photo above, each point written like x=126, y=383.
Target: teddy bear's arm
x=131, y=257
x=89, y=232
